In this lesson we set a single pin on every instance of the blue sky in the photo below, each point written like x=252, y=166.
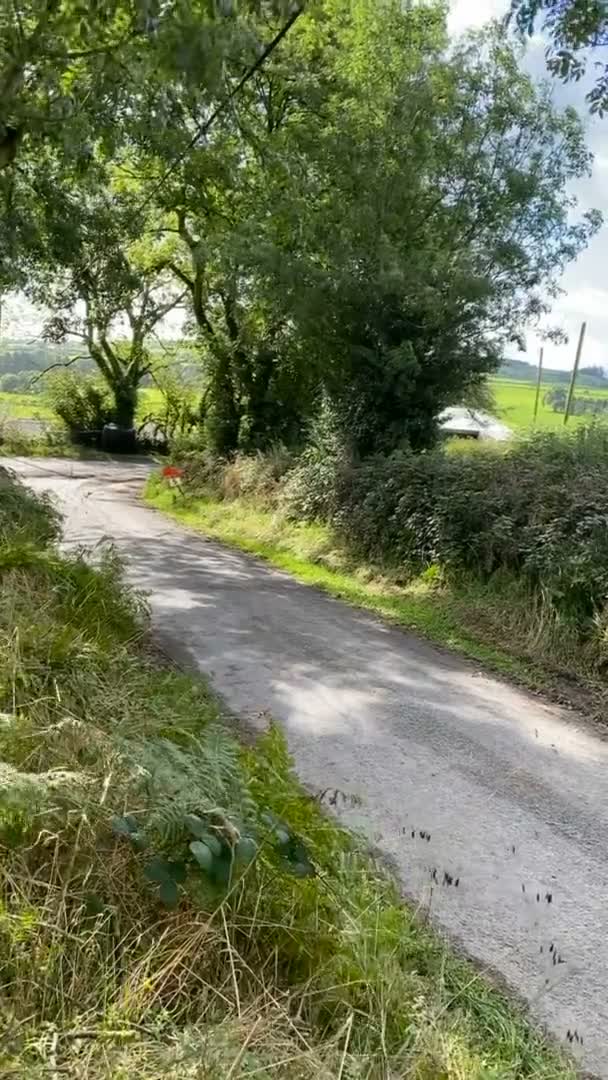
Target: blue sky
x=586, y=281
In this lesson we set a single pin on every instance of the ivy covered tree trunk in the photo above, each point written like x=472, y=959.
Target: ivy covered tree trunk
x=125, y=403
x=262, y=423
x=223, y=420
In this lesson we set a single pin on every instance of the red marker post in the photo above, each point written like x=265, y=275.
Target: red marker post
x=173, y=474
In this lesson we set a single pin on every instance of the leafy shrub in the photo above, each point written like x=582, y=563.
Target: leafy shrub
x=310, y=488
x=80, y=401
x=309, y=491
x=539, y=510
x=175, y=418
x=257, y=476
x=185, y=445
x=203, y=472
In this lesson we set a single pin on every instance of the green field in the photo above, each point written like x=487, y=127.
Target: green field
x=23, y=407
x=515, y=404
x=33, y=407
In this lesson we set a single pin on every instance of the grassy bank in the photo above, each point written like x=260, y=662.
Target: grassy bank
x=309, y=553
x=498, y=624
x=172, y=905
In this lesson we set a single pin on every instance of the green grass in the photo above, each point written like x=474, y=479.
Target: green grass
x=328, y=976
x=515, y=405
x=32, y=406
x=23, y=407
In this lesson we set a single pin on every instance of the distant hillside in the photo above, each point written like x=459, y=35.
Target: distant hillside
x=524, y=372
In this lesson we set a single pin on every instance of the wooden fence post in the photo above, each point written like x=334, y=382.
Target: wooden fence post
x=577, y=361
x=538, y=382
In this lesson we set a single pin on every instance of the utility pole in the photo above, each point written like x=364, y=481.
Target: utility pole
x=538, y=382
x=577, y=361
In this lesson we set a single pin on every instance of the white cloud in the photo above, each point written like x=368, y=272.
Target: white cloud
x=592, y=301
x=580, y=304
x=464, y=14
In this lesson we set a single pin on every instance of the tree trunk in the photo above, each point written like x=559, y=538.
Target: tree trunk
x=125, y=404
x=223, y=419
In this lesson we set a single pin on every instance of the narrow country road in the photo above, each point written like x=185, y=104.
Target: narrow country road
x=456, y=772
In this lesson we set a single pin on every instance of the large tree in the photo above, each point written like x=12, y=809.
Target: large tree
x=105, y=292
x=81, y=81
x=230, y=217
x=84, y=86
x=424, y=223
x=215, y=197
x=375, y=219
x=372, y=218
x=575, y=28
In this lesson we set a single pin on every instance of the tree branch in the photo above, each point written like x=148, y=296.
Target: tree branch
x=166, y=308
x=179, y=273
x=203, y=129
x=59, y=364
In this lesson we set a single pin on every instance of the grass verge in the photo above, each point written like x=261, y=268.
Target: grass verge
x=128, y=948
x=50, y=443
x=498, y=625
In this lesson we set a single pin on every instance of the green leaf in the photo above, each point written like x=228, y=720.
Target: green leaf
x=202, y=854
x=283, y=838
x=213, y=843
x=246, y=850
x=302, y=869
x=124, y=826
x=177, y=870
x=158, y=870
x=221, y=870
x=94, y=905
x=168, y=894
x=295, y=858
x=196, y=825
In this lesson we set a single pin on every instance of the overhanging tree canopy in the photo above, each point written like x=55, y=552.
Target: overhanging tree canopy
x=372, y=218
x=574, y=28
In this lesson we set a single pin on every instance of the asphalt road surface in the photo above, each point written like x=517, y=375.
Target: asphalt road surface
x=455, y=771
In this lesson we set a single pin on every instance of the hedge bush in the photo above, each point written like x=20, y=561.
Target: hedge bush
x=536, y=509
